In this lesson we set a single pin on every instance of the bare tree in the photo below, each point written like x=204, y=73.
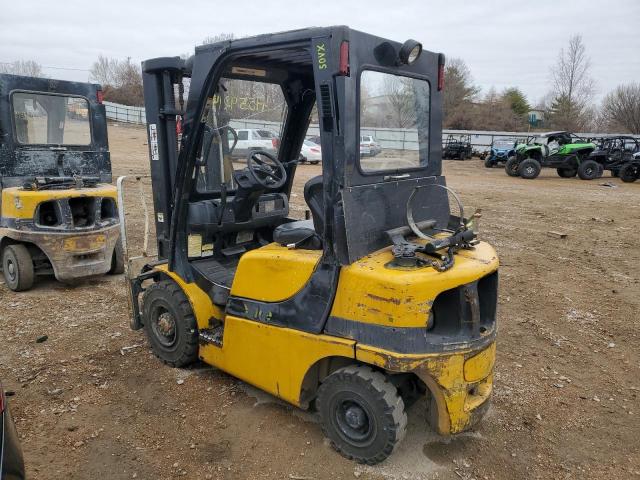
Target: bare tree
x=28, y=68
x=621, y=108
x=401, y=101
x=459, y=90
x=103, y=70
x=121, y=80
x=220, y=37
x=572, y=87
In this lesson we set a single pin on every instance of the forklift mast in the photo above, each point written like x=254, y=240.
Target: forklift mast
x=160, y=77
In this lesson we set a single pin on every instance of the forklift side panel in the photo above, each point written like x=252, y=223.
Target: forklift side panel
x=275, y=359
x=274, y=273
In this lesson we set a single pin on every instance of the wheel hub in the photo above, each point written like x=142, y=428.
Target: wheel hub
x=355, y=417
x=166, y=324
x=11, y=269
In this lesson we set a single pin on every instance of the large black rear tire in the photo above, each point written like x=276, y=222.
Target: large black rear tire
x=529, y=168
x=629, y=173
x=362, y=413
x=589, y=170
x=170, y=324
x=511, y=167
x=17, y=267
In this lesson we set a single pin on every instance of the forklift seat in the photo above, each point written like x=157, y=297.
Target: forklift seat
x=300, y=234
x=305, y=233
x=313, y=195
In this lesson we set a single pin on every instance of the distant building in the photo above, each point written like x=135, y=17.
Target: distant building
x=536, y=118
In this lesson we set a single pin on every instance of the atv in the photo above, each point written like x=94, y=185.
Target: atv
x=501, y=150
x=457, y=147
x=614, y=152
x=564, y=151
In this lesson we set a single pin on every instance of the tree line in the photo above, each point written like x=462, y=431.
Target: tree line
x=569, y=104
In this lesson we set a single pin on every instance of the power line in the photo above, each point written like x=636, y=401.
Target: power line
x=54, y=68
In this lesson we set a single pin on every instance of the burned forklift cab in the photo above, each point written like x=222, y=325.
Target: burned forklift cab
x=382, y=294
x=58, y=212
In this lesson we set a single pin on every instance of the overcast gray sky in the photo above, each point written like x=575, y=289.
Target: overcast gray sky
x=505, y=43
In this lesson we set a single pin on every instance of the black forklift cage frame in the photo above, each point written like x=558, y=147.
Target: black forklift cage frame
x=337, y=99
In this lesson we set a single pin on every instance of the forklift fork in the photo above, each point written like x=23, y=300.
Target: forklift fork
x=134, y=281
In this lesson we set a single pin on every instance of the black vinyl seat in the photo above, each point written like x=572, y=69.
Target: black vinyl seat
x=313, y=195
x=305, y=233
x=300, y=234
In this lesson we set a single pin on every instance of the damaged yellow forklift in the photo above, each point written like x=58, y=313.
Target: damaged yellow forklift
x=381, y=298
x=58, y=212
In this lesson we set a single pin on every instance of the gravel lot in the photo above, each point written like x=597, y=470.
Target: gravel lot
x=92, y=402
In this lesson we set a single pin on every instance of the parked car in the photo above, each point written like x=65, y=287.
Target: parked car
x=255, y=139
x=501, y=150
x=11, y=460
x=369, y=146
x=310, y=152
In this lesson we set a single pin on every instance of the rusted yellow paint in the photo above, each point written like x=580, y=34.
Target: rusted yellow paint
x=369, y=292
x=479, y=366
x=275, y=359
x=84, y=244
x=273, y=273
x=457, y=399
x=20, y=203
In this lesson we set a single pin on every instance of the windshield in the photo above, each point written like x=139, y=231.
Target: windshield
x=44, y=119
x=253, y=111
x=538, y=140
x=395, y=110
x=503, y=144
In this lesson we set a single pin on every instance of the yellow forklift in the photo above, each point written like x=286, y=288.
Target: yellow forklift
x=58, y=211
x=384, y=295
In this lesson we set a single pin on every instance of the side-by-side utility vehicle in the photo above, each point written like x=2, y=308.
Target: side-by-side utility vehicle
x=564, y=151
x=381, y=298
x=58, y=211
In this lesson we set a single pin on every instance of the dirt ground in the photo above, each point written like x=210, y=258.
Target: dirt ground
x=92, y=402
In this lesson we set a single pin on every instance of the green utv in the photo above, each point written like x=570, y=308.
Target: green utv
x=564, y=151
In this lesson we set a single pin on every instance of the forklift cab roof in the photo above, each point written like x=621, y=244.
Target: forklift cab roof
x=51, y=129
x=356, y=81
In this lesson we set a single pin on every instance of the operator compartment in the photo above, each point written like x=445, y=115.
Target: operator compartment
x=239, y=202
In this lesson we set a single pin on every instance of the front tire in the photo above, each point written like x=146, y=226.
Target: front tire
x=529, y=168
x=117, y=259
x=589, y=170
x=361, y=413
x=511, y=167
x=629, y=173
x=17, y=267
x=170, y=324
x=488, y=162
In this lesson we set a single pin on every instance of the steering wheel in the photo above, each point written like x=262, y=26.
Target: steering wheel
x=266, y=169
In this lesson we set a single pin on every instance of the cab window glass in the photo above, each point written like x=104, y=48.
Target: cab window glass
x=394, y=122
x=242, y=116
x=42, y=119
